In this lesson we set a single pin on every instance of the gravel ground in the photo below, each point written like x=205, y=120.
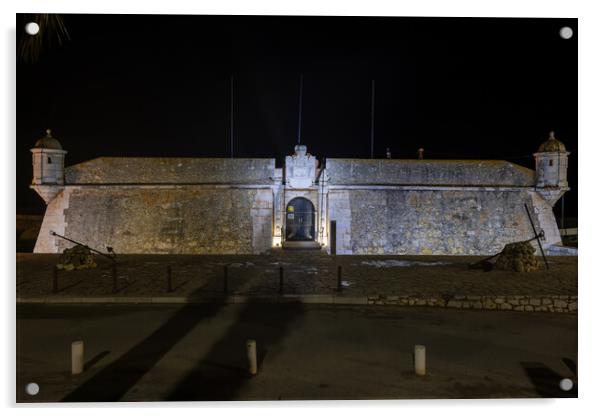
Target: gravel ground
x=304, y=273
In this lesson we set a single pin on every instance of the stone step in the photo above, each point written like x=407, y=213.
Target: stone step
x=301, y=245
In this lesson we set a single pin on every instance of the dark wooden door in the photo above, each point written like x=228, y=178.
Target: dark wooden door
x=300, y=220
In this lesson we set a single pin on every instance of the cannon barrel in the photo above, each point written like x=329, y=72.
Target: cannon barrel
x=110, y=249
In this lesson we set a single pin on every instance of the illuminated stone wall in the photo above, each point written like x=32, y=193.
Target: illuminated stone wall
x=236, y=206
x=453, y=221
x=171, y=170
x=164, y=205
x=428, y=172
x=181, y=220
x=441, y=207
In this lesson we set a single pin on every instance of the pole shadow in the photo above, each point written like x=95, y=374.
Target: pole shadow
x=181, y=285
x=95, y=359
x=546, y=381
x=72, y=285
x=114, y=380
x=220, y=374
x=223, y=372
x=572, y=365
x=125, y=286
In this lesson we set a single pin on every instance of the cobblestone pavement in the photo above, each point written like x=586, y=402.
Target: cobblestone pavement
x=304, y=272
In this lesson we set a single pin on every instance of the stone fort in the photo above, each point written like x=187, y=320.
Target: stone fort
x=248, y=206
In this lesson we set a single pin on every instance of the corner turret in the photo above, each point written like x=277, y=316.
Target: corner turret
x=48, y=160
x=551, y=163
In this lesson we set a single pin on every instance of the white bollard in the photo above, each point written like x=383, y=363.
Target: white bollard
x=77, y=357
x=420, y=360
x=252, y=356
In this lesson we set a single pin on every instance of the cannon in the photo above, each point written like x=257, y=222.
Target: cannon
x=80, y=256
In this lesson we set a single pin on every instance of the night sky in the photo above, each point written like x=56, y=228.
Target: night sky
x=132, y=85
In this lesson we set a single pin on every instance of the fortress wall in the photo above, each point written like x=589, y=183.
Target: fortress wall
x=179, y=220
x=171, y=170
x=339, y=210
x=414, y=222
x=546, y=219
x=54, y=220
x=428, y=172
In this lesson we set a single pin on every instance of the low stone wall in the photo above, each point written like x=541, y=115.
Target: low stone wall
x=561, y=304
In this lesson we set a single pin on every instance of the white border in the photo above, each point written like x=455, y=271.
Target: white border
x=590, y=95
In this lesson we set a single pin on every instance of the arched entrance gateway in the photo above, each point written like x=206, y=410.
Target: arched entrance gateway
x=300, y=220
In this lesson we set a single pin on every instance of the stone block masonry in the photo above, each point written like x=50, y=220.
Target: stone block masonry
x=553, y=303
x=54, y=220
x=428, y=172
x=163, y=220
x=237, y=206
x=432, y=222
x=158, y=170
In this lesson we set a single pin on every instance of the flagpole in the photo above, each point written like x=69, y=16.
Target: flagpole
x=232, y=116
x=372, y=124
x=300, y=109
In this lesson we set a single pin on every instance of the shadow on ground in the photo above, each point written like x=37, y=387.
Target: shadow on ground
x=547, y=382
x=218, y=376
x=113, y=381
x=223, y=371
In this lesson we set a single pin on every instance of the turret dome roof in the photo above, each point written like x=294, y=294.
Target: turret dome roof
x=48, y=142
x=552, y=145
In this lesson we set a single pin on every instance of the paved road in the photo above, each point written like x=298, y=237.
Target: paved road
x=197, y=352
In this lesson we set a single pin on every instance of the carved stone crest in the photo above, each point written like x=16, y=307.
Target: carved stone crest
x=300, y=168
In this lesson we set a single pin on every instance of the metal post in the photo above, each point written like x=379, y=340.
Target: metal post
x=339, y=277
x=226, y=279
x=333, y=238
x=321, y=210
x=114, y=274
x=281, y=287
x=169, y=286
x=55, y=279
x=372, y=124
x=537, y=235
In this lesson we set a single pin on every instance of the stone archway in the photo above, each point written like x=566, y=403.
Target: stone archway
x=300, y=220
